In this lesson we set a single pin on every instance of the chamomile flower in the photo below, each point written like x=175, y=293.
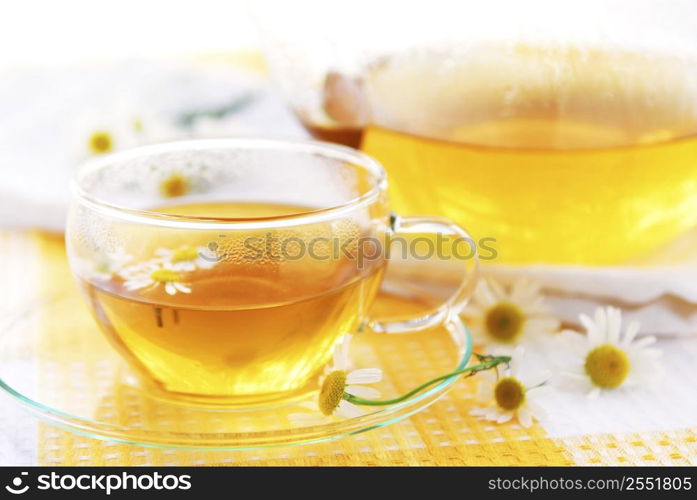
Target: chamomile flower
x=153, y=274
x=102, y=134
x=104, y=139
x=124, y=126
x=606, y=358
x=501, y=318
x=513, y=394
x=338, y=380
x=186, y=258
x=341, y=379
x=107, y=265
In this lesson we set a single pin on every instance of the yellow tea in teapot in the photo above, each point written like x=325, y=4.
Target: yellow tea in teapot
x=565, y=155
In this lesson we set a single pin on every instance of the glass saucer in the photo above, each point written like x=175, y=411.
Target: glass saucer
x=55, y=362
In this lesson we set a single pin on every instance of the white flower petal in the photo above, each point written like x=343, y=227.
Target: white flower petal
x=497, y=290
x=364, y=376
x=348, y=410
x=592, y=330
x=487, y=413
x=493, y=413
x=614, y=325
x=643, y=342
x=516, y=360
x=504, y=416
x=541, y=325
x=205, y=263
x=538, y=307
x=536, y=409
x=537, y=378
x=184, y=266
x=539, y=392
x=601, y=321
x=525, y=417
x=630, y=333
x=573, y=341
x=471, y=314
x=182, y=288
x=137, y=284
x=170, y=288
x=594, y=393
x=483, y=294
x=525, y=292
x=362, y=391
x=478, y=412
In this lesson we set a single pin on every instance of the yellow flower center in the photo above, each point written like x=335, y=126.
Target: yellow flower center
x=175, y=185
x=185, y=254
x=504, y=322
x=332, y=391
x=165, y=276
x=607, y=366
x=100, y=142
x=509, y=393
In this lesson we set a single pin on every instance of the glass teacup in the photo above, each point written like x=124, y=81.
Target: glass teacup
x=226, y=270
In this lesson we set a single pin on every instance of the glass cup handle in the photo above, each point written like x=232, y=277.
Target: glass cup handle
x=458, y=300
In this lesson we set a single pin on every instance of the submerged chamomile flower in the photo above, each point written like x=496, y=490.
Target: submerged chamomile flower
x=339, y=379
x=513, y=394
x=109, y=264
x=175, y=185
x=606, y=358
x=504, y=318
x=153, y=274
x=186, y=258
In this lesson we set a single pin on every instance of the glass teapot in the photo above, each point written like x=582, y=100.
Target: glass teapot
x=563, y=131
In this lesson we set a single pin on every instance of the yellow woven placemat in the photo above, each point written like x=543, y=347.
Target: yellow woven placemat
x=444, y=434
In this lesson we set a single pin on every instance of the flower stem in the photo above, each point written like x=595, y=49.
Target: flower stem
x=487, y=363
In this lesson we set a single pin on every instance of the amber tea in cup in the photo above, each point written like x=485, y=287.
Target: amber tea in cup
x=225, y=271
